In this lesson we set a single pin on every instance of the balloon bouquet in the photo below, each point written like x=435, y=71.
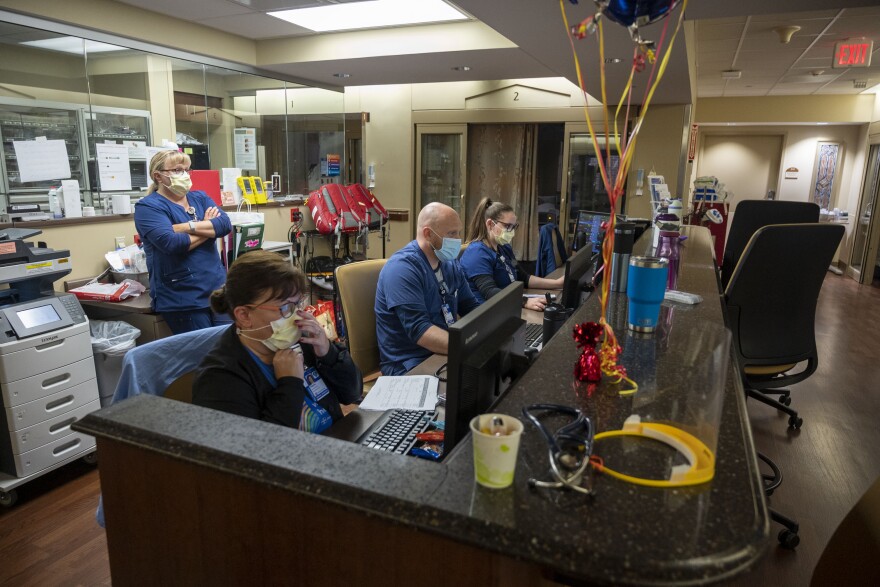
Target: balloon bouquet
x=632, y=14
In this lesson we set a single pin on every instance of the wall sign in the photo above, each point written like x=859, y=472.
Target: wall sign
x=852, y=53
x=692, y=142
x=791, y=173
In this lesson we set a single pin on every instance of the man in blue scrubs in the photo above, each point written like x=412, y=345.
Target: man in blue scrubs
x=421, y=292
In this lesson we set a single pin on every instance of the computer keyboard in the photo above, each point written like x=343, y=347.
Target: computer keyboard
x=534, y=336
x=395, y=430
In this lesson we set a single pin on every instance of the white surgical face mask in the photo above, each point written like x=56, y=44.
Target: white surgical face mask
x=285, y=333
x=180, y=184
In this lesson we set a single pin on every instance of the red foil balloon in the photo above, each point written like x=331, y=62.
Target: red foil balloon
x=588, y=366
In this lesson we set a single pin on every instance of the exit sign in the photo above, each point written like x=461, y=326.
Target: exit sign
x=853, y=53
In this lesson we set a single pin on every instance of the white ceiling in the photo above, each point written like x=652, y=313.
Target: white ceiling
x=526, y=39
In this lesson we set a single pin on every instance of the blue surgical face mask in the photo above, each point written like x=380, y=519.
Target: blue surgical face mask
x=449, y=250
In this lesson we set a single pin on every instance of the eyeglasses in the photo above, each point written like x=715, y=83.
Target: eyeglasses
x=508, y=226
x=286, y=310
x=176, y=171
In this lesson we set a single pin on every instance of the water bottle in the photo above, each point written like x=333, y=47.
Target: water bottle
x=555, y=316
x=624, y=237
x=669, y=248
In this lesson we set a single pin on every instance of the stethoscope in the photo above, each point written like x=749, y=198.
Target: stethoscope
x=570, y=448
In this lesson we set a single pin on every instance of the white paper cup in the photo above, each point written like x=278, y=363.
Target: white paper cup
x=495, y=455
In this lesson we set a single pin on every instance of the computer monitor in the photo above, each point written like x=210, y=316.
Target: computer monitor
x=576, y=285
x=485, y=357
x=588, y=230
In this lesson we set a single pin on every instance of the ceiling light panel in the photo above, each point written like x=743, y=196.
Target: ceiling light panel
x=370, y=14
x=72, y=45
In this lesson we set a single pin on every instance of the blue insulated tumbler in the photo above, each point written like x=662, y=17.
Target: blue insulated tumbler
x=646, y=285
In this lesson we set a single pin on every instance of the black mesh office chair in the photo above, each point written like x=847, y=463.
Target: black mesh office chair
x=771, y=308
x=750, y=215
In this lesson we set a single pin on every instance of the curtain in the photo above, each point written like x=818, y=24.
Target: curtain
x=501, y=165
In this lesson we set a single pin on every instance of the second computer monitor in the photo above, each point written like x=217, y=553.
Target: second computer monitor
x=481, y=361
x=578, y=278
x=588, y=229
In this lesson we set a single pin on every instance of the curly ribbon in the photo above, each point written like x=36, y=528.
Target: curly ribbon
x=609, y=352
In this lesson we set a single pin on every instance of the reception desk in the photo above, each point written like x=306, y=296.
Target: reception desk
x=195, y=496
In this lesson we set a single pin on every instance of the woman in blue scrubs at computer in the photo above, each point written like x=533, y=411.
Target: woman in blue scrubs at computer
x=489, y=261
x=275, y=362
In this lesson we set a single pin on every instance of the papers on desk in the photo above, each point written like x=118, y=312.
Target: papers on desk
x=406, y=392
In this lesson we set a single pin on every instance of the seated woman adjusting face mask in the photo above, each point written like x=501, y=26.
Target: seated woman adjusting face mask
x=275, y=363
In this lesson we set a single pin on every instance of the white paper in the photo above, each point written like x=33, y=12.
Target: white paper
x=41, y=160
x=405, y=392
x=70, y=197
x=229, y=180
x=150, y=152
x=136, y=149
x=113, y=170
x=245, y=148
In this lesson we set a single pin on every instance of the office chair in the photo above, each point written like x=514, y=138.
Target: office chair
x=771, y=310
x=850, y=557
x=551, y=250
x=771, y=307
x=750, y=215
x=356, y=283
x=163, y=367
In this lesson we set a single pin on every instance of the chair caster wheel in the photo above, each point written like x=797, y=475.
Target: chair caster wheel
x=795, y=422
x=788, y=539
x=8, y=498
x=785, y=400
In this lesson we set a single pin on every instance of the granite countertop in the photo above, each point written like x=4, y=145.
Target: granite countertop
x=624, y=534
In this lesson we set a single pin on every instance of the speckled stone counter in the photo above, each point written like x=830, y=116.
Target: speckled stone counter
x=625, y=534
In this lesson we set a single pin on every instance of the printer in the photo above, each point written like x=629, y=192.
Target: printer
x=47, y=372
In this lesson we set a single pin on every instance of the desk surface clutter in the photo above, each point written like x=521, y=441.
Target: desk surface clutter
x=624, y=534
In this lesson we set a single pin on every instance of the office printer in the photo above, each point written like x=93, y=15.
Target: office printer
x=47, y=372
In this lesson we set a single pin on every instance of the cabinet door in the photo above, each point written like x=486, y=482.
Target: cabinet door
x=441, y=156
x=29, y=122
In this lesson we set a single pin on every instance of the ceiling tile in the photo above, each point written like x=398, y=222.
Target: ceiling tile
x=190, y=10
x=255, y=25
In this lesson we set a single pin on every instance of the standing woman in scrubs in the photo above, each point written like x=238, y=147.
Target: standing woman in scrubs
x=489, y=262
x=179, y=229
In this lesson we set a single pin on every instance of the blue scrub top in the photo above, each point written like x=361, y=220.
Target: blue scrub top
x=180, y=278
x=408, y=302
x=479, y=259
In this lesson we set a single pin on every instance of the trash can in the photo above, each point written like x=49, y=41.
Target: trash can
x=111, y=339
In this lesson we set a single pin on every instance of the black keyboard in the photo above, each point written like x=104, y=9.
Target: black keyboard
x=534, y=335
x=395, y=430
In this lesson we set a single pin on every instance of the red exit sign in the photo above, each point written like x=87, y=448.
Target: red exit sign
x=853, y=53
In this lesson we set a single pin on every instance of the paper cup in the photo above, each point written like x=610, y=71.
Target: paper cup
x=495, y=455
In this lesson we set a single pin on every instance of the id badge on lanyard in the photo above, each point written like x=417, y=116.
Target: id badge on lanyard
x=448, y=316
x=315, y=386
x=510, y=273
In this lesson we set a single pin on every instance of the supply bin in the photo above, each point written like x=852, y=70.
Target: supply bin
x=110, y=341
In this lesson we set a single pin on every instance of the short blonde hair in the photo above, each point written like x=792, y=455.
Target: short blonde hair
x=157, y=163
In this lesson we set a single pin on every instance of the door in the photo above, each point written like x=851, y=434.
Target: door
x=583, y=188
x=441, y=165
x=866, y=235
x=748, y=165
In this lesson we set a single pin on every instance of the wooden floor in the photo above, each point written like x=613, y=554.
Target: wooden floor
x=50, y=537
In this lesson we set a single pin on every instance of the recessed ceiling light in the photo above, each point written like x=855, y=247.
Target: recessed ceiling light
x=370, y=14
x=72, y=45
x=821, y=123
x=461, y=68
x=343, y=75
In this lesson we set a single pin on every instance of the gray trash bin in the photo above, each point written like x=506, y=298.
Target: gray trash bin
x=111, y=339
